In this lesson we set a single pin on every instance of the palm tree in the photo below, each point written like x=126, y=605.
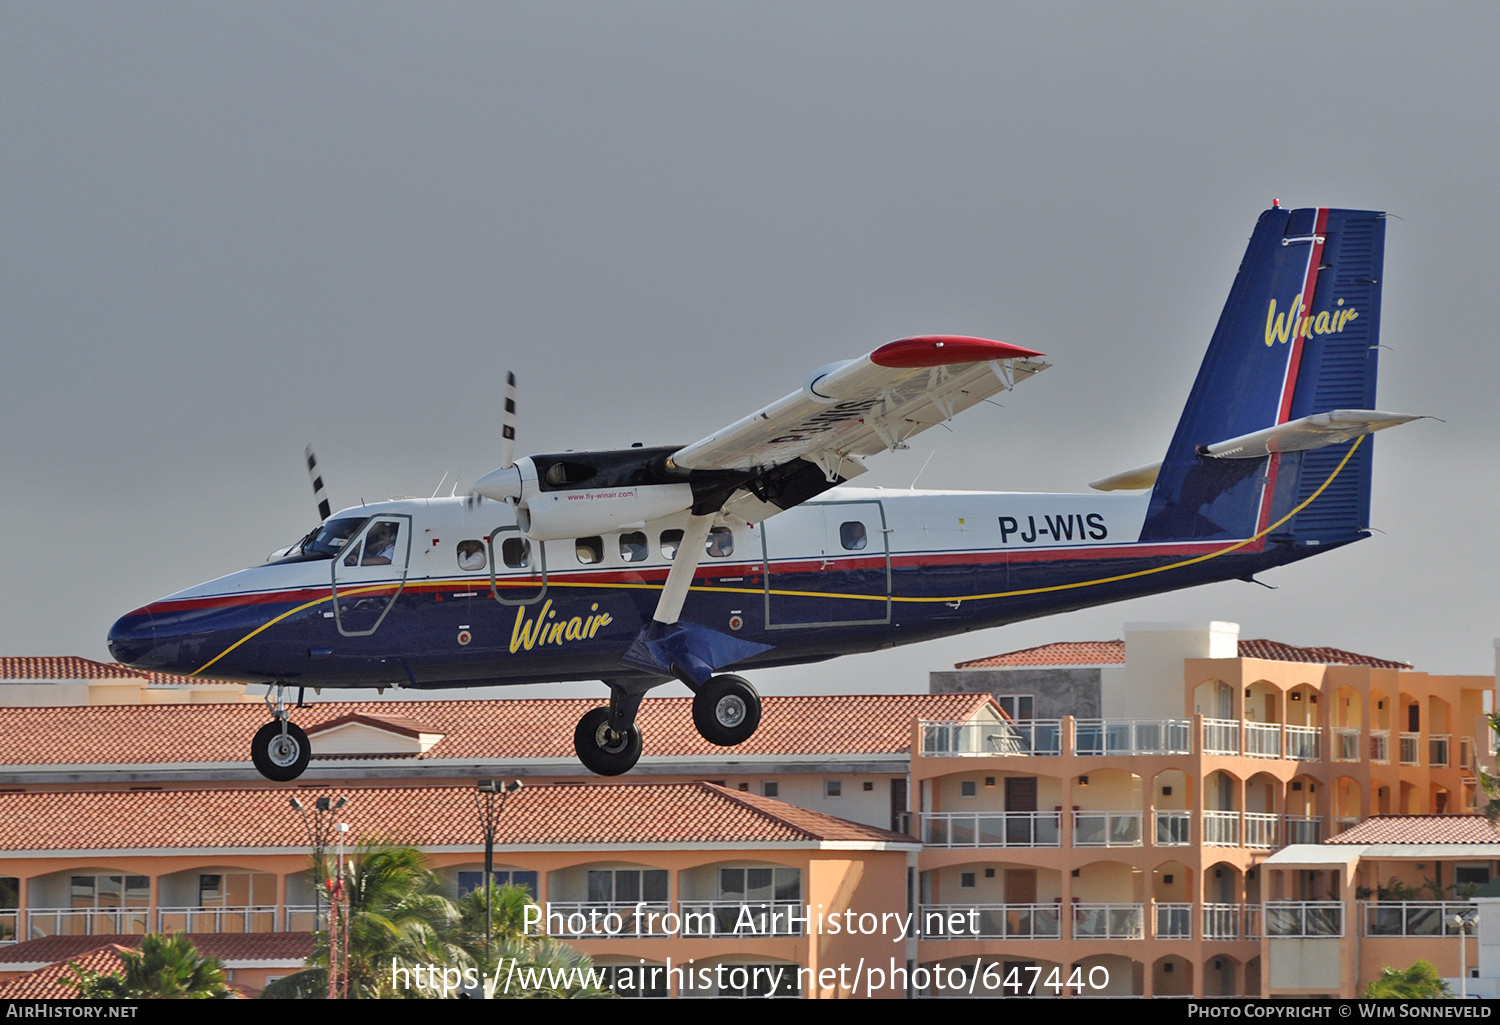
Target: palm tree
x=518, y=965
x=1419, y=982
x=166, y=968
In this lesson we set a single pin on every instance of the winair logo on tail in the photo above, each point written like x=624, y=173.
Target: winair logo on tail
x=1296, y=323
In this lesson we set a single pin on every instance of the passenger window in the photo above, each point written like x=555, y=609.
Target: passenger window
x=720, y=542
x=671, y=540
x=633, y=547
x=852, y=536
x=471, y=556
x=590, y=550
x=515, y=552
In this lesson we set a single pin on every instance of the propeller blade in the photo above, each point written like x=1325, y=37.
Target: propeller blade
x=497, y=483
x=508, y=422
x=320, y=494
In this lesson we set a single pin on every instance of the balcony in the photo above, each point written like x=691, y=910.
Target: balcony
x=1262, y=740
x=1226, y=921
x=1302, y=743
x=737, y=919
x=1410, y=748
x=1380, y=747
x=1415, y=918
x=1173, y=828
x=88, y=921
x=1108, y=921
x=1346, y=744
x=1304, y=829
x=988, y=739
x=612, y=919
x=1221, y=736
x=259, y=918
x=1437, y=750
x=992, y=829
x=1260, y=829
x=1132, y=736
x=1106, y=829
x=1304, y=918
x=990, y=921
x=1174, y=921
x=1221, y=829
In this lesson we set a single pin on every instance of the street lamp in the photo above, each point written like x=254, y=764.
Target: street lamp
x=486, y=792
x=1462, y=923
x=317, y=835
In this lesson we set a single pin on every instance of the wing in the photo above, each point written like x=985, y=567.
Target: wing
x=846, y=411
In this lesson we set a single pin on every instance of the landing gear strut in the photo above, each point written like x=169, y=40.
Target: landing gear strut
x=726, y=710
x=280, y=750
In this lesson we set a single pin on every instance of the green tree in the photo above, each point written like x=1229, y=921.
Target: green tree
x=521, y=966
x=166, y=968
x=1419, y=982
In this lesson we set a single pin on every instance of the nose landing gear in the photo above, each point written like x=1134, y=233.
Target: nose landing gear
x=280, y=750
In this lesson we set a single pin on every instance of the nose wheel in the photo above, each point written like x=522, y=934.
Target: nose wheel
x=603, y=750
x=726, y=710
x=280, y=751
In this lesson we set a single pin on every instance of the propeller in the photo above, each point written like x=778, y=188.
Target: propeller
x=503, y=484
x=320, y=494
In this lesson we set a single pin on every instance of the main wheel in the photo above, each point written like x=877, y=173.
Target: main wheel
x=726, y=710
x=603, y=751
x=277, y=756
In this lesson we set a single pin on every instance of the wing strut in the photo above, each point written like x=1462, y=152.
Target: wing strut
x=680, y=576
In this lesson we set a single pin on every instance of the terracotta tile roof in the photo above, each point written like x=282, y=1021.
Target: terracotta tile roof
x=877, y=724
x=1420, y=829
x=1095, y=653
x=1275, y=651
x=561, y=814
x=393, y=723
x=1060, y=653
x=63, y=667
x=226, y=946
x=47, y=983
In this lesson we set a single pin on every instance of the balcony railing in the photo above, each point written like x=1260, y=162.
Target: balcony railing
x=1225, y=922
x=1302, y=743
x=1415, y=918
x=1262, y=740
x=1466, y=754
x=1108, y=921
x=987, y=739
x=1174, y=921
x=1106, y=829
x=1304, y=829
x=260, y=918
x=304, y=918
x=1437, y=750
x=1173, y=828
x=739, y=919
x=1133, y=736
x=1260, y=829
x=1410, y=748
x=10, y=923
x=87, y=921
x=619, y=919
x=1304, y=918
x=990, y=921
x=1346, y=744
x=992, y=829
x=1221, y=829
x=1221, y=736
x=1380, y=747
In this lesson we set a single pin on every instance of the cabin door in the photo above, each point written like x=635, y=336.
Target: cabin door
x=827, y=564
x=369, y=574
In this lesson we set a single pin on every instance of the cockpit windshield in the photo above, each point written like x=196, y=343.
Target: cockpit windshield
x=325, y=544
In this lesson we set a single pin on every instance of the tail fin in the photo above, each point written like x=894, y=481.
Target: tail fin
x=1298, y=336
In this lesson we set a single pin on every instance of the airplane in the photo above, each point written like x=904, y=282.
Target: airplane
x=749, y=549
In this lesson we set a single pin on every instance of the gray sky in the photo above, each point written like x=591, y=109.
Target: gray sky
x=231, y=229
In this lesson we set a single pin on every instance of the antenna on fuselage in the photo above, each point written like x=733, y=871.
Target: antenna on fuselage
x=320, y=494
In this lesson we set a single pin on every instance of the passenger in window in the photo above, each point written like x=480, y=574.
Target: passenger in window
x=852, y=536
x=633, y=547
x=516, y=551
x=721, y=542
x=471, y=555
x=670, y=541
x=590, y=550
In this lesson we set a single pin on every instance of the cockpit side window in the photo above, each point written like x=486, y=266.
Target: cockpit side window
x=380, y=544
x=332, y=536
x=471, y=557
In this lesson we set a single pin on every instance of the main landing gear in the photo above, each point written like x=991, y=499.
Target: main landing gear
x=726, y=712
x=280, y=750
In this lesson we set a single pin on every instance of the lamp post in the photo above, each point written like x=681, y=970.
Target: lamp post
x=486, y=793
x=317, y=826
x=1462, y=922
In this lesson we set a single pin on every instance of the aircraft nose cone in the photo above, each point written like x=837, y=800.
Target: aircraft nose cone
x=132, y=638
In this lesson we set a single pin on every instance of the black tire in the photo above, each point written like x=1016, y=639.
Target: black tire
x=726, y=710
x=278, y=759
x=603, y=751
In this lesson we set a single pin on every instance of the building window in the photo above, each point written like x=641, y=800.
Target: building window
x=833, y=788
x=749, y=885
x=966, y=880
x=1017, y=706
x=770, y=788
x=627, y=885
x=468, y=882
x=968, y=788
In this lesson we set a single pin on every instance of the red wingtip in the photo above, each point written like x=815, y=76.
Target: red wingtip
x=945, y=350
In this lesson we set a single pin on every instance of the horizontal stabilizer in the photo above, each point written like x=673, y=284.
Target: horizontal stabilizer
x=1317, y=431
